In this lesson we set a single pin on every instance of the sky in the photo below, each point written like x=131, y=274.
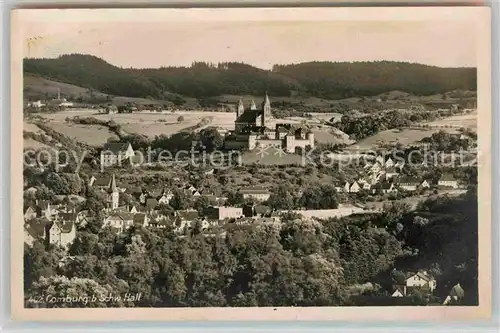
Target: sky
x=149, y=41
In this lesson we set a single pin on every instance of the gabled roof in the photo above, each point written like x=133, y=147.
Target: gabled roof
x=30, y=209
x=36, y=228
x=65, y=227
x=67, y=217
x=423, y=275
x=126, y=216
x=409, y=180
x=249, y=116
x=115, y=147
x=188, y=215
x=457, y=291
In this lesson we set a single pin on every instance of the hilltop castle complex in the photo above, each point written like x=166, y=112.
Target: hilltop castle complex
x=255, y=127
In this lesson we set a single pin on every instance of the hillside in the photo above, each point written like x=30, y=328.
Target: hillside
x=324, y=80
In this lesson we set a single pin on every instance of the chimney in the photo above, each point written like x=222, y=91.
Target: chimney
x=58, y=93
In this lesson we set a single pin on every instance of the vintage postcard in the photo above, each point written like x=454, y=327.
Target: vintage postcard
x=251, y=164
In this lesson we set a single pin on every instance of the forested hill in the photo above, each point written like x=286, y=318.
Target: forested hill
x=326, y=80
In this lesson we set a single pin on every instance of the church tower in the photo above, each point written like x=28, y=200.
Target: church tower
x=113, y=194
x=240, y=108
x=266, y=110
x=253, y=106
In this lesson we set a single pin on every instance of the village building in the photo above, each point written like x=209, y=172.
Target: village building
x=119, y=221
x=222, y=213
x=421, y=279
x=355, y=188
x=61, y=233
x=256, y=210
x=409, y=183
x=30, y=213
x=35, y=230
x=390, y=173
x=165, y=197
x=36, y=104
x=343, y=187
x=116, y=153
x=447, y=180
x=256, y=128
x=257, y=193
x=456, y=294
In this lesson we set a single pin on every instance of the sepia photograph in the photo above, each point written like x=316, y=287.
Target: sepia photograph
x=281, y=160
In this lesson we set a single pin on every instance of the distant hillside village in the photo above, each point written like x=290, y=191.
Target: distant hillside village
x=379, y=230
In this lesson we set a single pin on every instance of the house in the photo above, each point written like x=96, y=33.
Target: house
x=354, y=188
x=35, y=230
x=447, y=180
x=165, y=197
x=30, y=213
x=256, y=210
x=61, y=233
x=376, y=168
x=389, y=163
x=409, y=183
x=115, y=153
x=82, y=218
x=387, y=187
x=400, y=165
x=100, y=182
x=421, y=279
x=46, y=209
x=221, y=213
x=119, y=221
x=159, y=221
x=456, y=294
x=342, y=187
x=399, y=291
x=36, y=104
x=425, y=184
x=391, y=173
x=184, y=219
x=257, y=193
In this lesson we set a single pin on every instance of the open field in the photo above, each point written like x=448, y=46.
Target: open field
x=392, y=136
x=93, y=135
x=411, y=135
x=466, y=120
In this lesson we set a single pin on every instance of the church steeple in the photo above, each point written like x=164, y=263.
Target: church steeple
x=240, y=109
x=114, y=195
x=266, y=110
x=112, y=185
x=253, y=106
x=266, y=100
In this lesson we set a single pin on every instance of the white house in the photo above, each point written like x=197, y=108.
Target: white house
x=116, y=153
x=354, y=188
x=447, y=180
x=36, y=104
x=425, y=184
x=257, y=193
x=421, y=279
x=61, y=233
